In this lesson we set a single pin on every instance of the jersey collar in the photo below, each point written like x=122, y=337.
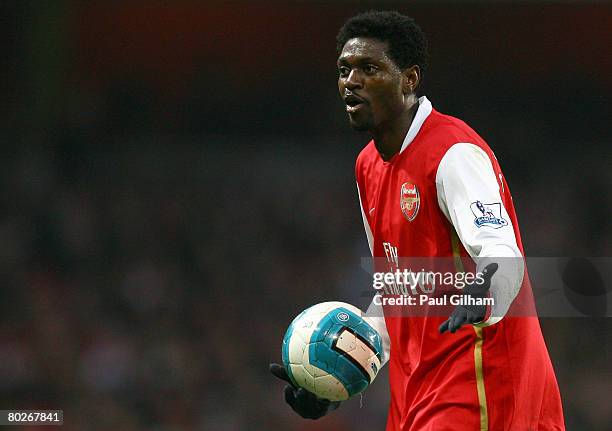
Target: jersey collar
x=421, y=115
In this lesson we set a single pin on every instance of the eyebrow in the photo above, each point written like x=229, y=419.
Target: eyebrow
x=360, y=60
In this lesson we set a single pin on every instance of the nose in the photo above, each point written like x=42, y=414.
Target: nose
x=353, y=80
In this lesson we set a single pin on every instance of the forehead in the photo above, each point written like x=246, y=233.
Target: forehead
x=359, y=48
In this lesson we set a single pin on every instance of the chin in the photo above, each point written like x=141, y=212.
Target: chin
x=360, y=126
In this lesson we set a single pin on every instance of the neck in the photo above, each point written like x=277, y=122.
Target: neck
x=388, y=138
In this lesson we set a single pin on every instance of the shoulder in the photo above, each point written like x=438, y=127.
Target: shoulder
x=463, y=157
x=451, y=129
x=452, y=138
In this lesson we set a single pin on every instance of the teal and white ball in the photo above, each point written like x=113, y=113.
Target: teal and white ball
x=332, y=351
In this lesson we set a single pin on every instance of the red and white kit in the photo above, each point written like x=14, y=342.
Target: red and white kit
x=496, y=375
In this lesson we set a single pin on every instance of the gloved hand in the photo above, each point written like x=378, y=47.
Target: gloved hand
x=463, y=314
x=303, y=402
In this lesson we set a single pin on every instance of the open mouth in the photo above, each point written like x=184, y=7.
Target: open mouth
x=353, y=103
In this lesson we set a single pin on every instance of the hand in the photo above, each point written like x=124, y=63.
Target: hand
x=463, y=314
x=304, y=403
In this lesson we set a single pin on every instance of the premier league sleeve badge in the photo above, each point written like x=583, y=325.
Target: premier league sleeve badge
x=488, y=215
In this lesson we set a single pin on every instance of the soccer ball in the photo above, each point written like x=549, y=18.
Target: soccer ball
x=332, y=351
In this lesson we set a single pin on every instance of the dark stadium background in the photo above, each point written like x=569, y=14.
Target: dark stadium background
x=177, y=184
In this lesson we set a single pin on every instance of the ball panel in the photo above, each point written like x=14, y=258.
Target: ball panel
x=330, y=388
x=346, y=341
x=308, y=364
x=348, y=373
x=296, y=347
x=289, y=336
x=302, y=377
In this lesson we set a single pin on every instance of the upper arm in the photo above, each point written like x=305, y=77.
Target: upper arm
x=469, y=196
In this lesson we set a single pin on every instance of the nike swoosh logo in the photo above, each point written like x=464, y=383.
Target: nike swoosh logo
x=372, y=210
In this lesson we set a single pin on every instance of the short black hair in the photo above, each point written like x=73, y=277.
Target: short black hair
x=407, y=42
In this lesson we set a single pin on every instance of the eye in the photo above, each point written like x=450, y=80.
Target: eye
x=343, y=71
x=370, y=69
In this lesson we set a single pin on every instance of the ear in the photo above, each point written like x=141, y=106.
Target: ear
x=411, y=79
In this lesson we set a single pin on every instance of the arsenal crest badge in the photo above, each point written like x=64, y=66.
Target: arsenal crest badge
x=410, y=200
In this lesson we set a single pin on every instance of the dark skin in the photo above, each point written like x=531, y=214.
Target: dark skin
x=380, y=96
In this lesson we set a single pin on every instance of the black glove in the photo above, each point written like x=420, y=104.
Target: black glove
x=304, y=403
x=463, y=314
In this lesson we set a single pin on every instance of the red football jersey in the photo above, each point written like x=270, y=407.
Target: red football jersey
x=496, y=377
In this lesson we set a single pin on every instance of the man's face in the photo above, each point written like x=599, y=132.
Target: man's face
x=370, y=84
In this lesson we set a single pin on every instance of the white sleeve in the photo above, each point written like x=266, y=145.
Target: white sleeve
x=468, y=195
x=374, y=315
